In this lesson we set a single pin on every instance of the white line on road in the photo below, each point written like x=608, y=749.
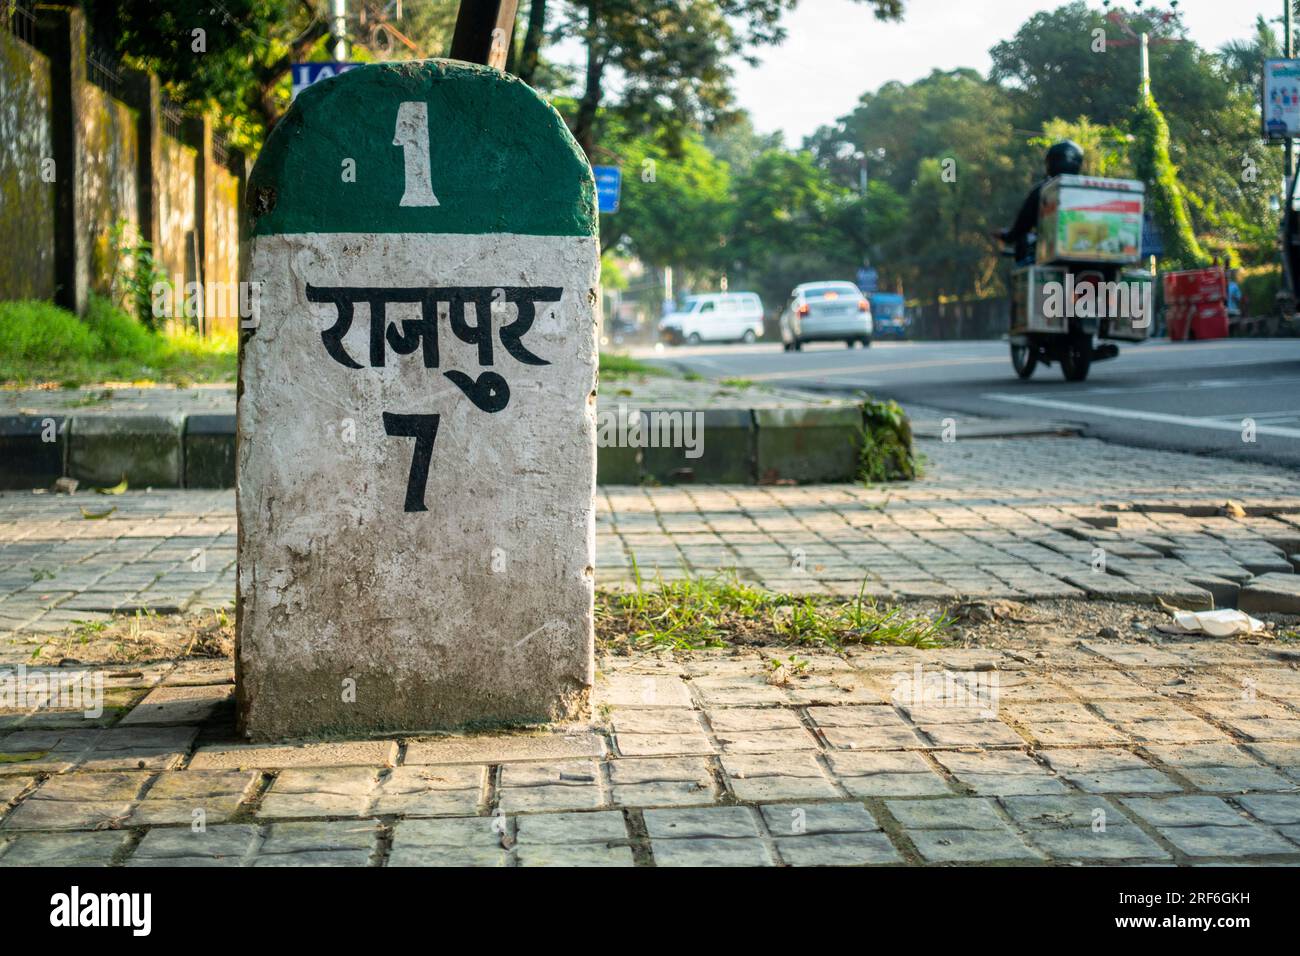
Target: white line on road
x=1134, y=415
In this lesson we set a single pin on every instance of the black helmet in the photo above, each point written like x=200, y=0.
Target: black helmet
x=1064, y=157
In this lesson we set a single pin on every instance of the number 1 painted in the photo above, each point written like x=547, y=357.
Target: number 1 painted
x=412, y=135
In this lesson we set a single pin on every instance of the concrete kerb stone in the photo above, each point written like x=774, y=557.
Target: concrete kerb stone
x=146, y=450
x=30, y=459
x=735, y=445
x=210, y=451
x=713, y=445
x=808, y=444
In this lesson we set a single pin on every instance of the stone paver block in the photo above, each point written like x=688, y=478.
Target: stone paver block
x=323, y=792
x=1085, y=843
x=360, y=753
x=1275, y=808
x=666, y=720
x=581, y=855
x=787, y=820
x=971, y=846
x=887, y=774
x=1189, y=811
x=1234, y=841
x=766, y=741
x=62, y=849
x=534, y=787
x=429, y=790
x=729, y=720
x=711, y=822
x=1276, y=592
x=784, y=776
x=974, y=813
x=662, y=782
x=322, y=843
x=180, y=705
x=464, y=841
x=998, y=773
x=1109, y=771
x=710, y=852
x=226, y=845
x=138, y=748
x=554, y=829
x=79, y=801
x=641, y=690
x=179, y=797
x=499, y=749
x=837, y=849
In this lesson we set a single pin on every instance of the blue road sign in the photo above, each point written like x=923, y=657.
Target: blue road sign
x=1153, y=244
x=305, y=74
x=609, y=181
x=868, y=280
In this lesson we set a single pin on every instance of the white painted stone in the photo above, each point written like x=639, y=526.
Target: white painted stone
x=478, y=609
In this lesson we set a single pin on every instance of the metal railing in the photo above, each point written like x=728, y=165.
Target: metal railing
x=103, y=70
x=20, y=17
x=173, y=119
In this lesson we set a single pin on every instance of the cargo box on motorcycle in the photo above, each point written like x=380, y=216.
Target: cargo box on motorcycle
x=1089, y=219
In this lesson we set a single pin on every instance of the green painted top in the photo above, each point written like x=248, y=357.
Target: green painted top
x=422, y=146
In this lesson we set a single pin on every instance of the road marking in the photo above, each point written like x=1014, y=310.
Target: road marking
x=1133, y=415
x=875, y=369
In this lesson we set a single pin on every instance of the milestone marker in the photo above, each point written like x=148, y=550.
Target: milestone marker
x=416, y=460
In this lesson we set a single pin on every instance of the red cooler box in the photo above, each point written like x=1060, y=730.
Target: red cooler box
x=1196, y=304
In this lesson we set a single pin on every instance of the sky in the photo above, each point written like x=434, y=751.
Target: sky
x=836, y=50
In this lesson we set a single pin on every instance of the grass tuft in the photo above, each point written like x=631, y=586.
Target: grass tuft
x=705, y=612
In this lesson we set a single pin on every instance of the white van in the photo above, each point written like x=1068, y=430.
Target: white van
x=715, y=317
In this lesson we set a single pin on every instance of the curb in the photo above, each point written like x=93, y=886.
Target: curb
x=746, y=446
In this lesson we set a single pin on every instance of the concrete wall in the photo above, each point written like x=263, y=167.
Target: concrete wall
x=26, y=202
x=222, y=215
x=176, y=252
x=109, y=171
x=113, y=163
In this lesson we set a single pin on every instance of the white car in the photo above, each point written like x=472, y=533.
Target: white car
x=715, y=317
x=826, y=311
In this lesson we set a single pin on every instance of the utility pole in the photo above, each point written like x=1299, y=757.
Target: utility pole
x=1289, y=47
x=339, y=9
x=1146, y=67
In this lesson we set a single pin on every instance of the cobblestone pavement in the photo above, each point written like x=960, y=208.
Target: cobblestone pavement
x=1105, y=753
x=1181, y=752
x=1022, y=519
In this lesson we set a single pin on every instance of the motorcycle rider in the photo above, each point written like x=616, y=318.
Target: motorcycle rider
x=1065, y=157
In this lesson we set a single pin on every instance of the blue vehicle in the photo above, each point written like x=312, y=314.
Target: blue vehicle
x=891, y=321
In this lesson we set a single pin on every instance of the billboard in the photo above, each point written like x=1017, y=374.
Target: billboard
x=1281, y=99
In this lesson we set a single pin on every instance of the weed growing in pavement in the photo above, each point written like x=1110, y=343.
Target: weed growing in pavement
x=717, y=611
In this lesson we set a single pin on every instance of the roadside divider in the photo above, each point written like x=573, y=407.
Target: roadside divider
x=635, y=445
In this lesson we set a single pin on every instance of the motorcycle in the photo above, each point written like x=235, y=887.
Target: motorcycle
x=1062, y=313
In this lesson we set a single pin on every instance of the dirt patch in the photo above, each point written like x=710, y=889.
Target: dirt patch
x=143, y=638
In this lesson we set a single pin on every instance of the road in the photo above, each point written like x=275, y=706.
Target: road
x=1184, y=396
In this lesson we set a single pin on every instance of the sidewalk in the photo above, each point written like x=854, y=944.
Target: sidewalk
x=1031, y=518
x=1061, y=750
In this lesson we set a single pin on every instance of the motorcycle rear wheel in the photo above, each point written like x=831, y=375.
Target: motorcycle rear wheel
x=1024, y=360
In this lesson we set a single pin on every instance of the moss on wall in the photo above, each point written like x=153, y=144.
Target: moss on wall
x=26, y=201
x=111, y=144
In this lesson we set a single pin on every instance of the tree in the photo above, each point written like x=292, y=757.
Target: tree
x=669, y=58
x=1164, y=194
x=673, y=207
